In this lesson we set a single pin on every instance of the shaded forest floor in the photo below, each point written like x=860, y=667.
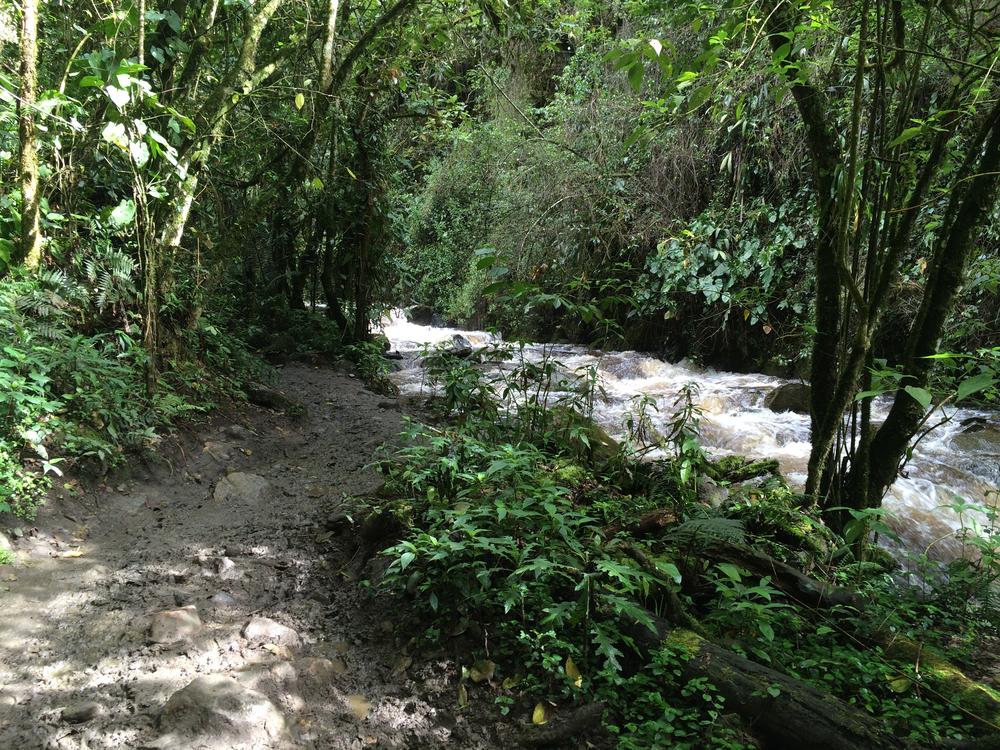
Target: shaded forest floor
x=231, y=524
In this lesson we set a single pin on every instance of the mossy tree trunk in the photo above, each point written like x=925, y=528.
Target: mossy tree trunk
x=30, y=249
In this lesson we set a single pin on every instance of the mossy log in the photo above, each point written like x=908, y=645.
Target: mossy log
x=783, y=712
x=735, y=469
x=794, y=583
x=980, y=702
x=788, y=714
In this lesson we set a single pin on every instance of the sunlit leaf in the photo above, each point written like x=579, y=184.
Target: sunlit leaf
x=123, y=213
x=573, y=673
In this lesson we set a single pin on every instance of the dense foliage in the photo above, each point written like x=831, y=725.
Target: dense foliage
x=561, y=552
x=806, y=188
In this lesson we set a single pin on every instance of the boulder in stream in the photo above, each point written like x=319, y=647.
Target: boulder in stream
x=421, y=315
x=979, y=436
x=461, y=346
x=789, y=397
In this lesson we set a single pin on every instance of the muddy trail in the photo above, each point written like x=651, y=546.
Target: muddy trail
x=201, y=601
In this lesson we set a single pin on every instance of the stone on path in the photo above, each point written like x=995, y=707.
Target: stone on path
x=223, y=599
x=237, y=432
x=265, y=630
x=217, y=713
x=82, y=712
x=241, y=487
x=318, y=671
x=174, y=625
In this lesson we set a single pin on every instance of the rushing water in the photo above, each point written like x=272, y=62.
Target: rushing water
x=735, y=421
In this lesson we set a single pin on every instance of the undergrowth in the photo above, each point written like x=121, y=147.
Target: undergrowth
x=73, y=389
x=564, y=554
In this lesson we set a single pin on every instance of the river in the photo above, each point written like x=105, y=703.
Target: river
x=947, y=465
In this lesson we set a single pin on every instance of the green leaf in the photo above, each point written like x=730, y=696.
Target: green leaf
x=123, y=213
x=868, y=394
x=669, y=569
x=731, y=571
x=300, y=100
x=90, y=82
x=906, y=135
x=173, y=20
x=635, y=77
x=921, y=395
x=974, y=384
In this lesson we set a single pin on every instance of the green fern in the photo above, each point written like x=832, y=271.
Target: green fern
x=702, y=532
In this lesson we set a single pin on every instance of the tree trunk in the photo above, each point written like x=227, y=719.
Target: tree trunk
x=792, y=582
x=969, y=210
x=210, y=122
x=329, y=282
x=30, y=251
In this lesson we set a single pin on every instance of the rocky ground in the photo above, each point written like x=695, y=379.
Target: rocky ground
x=200, y=602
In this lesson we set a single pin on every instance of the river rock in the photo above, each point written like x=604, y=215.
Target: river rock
x=217, y=713
x=789, y=397
x=79, y=713
x=461, y=346
x=711, y=493
x=224, y=568
x=241, y=487
x=978, y=435
x=174, y=625
x=265, y=630
x=422, y=315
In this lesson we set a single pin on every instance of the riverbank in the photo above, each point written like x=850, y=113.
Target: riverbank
x=957, y=463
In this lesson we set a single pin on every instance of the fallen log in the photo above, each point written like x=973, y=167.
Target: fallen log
x=794, y=583
x=980, y=702
x=582, y=721
x=783, y=712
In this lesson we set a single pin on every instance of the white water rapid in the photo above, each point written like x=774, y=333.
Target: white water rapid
x=947, y=465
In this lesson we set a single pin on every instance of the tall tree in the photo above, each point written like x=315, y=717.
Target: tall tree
x=31, y=233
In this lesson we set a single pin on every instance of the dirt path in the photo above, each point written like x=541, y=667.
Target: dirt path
x=134, y=620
